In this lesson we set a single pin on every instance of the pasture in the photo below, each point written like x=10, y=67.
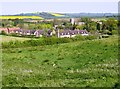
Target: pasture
x=77, y=64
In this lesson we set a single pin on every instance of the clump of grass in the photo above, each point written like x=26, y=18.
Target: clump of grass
x=60, y=58
x=20, y=51
x=46, y=60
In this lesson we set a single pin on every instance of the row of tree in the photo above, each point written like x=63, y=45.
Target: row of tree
x=25, y=25
x=105, y=26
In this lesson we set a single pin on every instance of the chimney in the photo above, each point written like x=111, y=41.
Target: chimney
x=58, y=33
x=8, y=30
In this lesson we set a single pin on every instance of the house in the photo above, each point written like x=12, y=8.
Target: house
x=4, y=29
x=39, y=33
x=72, y=21
x=8, y=30
x=19, y=31
x=71, y=33
x=28, y=32
x=81, y=23
x=24, y=32
x=64, y=33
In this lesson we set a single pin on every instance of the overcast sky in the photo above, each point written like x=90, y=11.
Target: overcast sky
x=9, y=8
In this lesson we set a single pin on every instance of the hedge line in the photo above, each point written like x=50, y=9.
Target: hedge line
x=45, y=41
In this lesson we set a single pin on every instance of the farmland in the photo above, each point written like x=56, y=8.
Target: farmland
x=20, y=17
x=56, y=14
x=77, y=64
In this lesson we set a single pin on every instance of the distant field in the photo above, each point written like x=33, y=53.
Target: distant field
x=10, y=38
x=77, y=64
x=20, y=17
x=56, y=14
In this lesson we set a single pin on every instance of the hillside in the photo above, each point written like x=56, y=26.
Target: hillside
x=69, y=15
x=78, y=64
x=46, y=15
x=49, y=15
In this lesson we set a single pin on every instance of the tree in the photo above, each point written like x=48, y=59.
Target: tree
x=59, y=27
x=32, y=26
x=74, y=26
x=92, y=25
x=87, y=23
x=111, y=24
x=98, y=26
x=26, y=26
x=17, y=21
x=80, y=26
x=20, y=25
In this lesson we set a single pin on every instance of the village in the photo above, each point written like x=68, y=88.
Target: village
x=59, y=44
x=60, y=33
x=48, y=33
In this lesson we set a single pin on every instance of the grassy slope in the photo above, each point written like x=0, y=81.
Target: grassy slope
x=11, y=38
x=78, y=64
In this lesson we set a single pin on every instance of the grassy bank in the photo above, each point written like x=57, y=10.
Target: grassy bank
x=77, y=64
x=11, y=38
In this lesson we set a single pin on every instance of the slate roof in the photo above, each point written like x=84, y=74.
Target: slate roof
x=72, y=32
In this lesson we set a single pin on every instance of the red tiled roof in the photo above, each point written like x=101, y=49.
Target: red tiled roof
x=10, y=29
x=3, y=29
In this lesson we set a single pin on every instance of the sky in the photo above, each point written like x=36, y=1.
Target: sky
x=15, y=7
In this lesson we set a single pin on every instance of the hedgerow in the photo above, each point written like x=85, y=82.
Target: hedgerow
x=45, y=41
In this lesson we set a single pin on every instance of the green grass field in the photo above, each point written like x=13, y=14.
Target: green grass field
x=11, y=38
x=78, y=64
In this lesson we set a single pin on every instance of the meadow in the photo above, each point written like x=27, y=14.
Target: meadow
x=11, y=38
x=91, y=63
x=20, y=17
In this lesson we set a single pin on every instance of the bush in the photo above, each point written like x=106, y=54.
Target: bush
x=32, y=43
x=116, y=86
x=90, y=37
x=50, y=40
x=78, y=38
x=13, y=34
x=114, y=32
x=3, y=33
x=64, y=40
x=12, y=44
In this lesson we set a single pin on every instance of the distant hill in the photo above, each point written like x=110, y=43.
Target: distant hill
x=49, y=15
x=44, y=15
x=68, y=15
